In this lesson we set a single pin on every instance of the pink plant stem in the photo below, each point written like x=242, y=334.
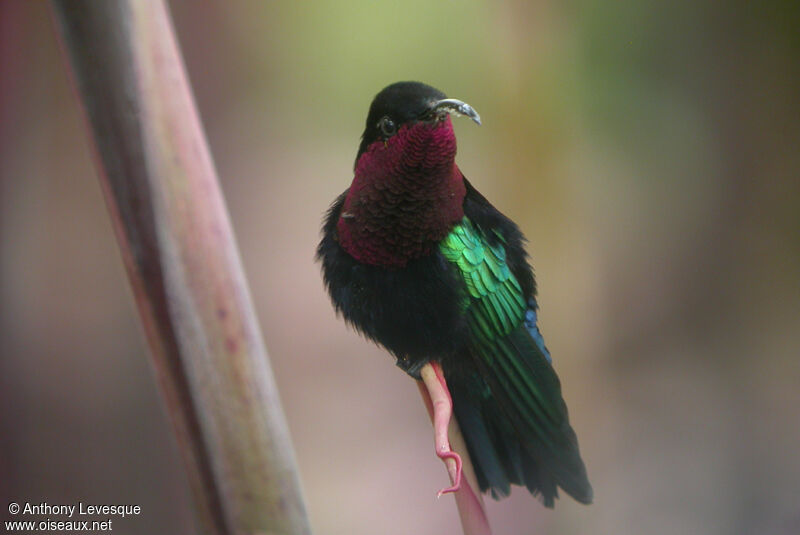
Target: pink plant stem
x=452, y=449
x=183, y=264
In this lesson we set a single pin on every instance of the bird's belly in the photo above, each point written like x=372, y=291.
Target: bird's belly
x=415, y=312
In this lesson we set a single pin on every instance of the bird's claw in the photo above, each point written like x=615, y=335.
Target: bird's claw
x=455, y=474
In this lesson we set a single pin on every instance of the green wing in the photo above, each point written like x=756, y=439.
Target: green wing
x=510, y=362
x=495, y=297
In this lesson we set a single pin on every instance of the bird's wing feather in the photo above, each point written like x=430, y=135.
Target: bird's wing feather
x=510, y=360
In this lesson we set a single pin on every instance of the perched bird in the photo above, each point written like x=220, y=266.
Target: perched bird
x=420, y=262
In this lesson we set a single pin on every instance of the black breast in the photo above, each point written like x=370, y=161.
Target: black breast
x=414, y=311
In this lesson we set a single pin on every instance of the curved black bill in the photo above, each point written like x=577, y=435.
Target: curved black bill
x=454, y=106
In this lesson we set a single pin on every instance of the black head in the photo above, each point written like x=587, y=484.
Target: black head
x=406, y=102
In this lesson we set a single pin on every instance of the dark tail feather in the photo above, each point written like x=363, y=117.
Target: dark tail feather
x=515, y=422
x=491, y=467
x=497, y=455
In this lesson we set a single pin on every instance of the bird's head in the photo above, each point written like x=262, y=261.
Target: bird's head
x=407, y=192
x=410, y=121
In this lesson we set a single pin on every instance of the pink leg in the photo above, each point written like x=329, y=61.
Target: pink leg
x=468, y=498
x=442, y=408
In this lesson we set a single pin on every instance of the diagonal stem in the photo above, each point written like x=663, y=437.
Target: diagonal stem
x=180, y=254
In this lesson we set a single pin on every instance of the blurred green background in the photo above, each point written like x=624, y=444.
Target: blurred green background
x=649, y=150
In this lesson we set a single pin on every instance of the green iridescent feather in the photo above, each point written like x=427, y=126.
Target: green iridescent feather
x=513, y=368
x=491, y=286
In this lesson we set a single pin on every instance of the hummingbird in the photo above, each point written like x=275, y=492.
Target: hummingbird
x=417, y=260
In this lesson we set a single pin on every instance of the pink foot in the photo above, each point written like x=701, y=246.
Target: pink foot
x=442, y=407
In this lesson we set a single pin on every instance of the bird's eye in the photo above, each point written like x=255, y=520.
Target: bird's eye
x=387, y=126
